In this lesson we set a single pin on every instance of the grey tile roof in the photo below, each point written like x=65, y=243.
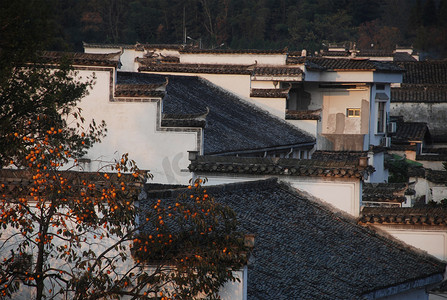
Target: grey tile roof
x=341, y=156
x=232, y=125
x=139, y=90
x=279, y=166
x=342, y=64
x=303, y=114
x=77, y=58
x=425, y=72
x=384, y=192
x=392, y=55
x=410, y=132
x=426, y=93
x=269, y=93
x=149, y=65
x=233, y=51
x=423, y=81
x=303, y=250
x=435, y=176
x=404, y=216
x=403, y=57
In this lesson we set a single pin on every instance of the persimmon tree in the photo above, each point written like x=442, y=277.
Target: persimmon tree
x=191, y=244
x=78, y=235
x=69, y=234
x=82, y=236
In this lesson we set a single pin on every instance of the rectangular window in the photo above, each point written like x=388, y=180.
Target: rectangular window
x=353, y=112
x=381, y=117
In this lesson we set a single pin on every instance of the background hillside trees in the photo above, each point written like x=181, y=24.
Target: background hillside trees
x=295, y=24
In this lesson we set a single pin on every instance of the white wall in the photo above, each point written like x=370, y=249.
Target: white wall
x=236, y=290
x=132, y=128
x=235, y=83
x=233, y=58
x=341, y=193
x=275, y=106
x=432, y=191
x=309, y=126
x=429, y=164
x=346, y=76
x=335, y=103
x=434, y=242
x=127, y=58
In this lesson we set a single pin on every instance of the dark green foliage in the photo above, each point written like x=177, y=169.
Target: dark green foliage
x=34, y=98
x=442, y=203
x=267, y=24
x=398, y=169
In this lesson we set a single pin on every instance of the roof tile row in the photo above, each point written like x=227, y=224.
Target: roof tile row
x=401, y=215
x=281, y=166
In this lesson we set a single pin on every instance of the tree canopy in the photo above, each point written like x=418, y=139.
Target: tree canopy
x=266, y=24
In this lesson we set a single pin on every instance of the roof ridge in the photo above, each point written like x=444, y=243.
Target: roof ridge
x=175, y=192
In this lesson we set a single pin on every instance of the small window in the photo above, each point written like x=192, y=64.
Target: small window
x=380, y=87
x=381, y=117
x=353, y=112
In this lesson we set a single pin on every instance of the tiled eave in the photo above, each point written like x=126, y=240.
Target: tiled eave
x=434, y=93
x=113, y=46
x=87, y=59
x=342, y=64
x=403, y=147
x=434, y=176
x=404, y=216
x=160, y=60
x=140, y=90
x=281, y=166
x=384, y=192
x=425, y=72
x=232, y=51
x=303, y=114
x=269, y=93
x=353, y=157
x=16, y=183
x=432, y=157
x=186, y=120
x=279, y=72
x=196, y=68
x=410, y=132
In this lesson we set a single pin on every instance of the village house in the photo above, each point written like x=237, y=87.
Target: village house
x=332, y=105
x=419, y=104
x=321, y=124
x=303, y=249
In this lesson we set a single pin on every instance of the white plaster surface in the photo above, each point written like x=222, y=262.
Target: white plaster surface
x=233, y=59
x=132, y=128
x=434, y=242
x=341, y=194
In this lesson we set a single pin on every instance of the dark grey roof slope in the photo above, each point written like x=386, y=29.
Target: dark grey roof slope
x=423, y=81
x=343, y=64
x=410, y=132
x=231, y=124
x=434, y=93
x=425, y=72
x=383, y=192
x=303, y=250
x=434, y=216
